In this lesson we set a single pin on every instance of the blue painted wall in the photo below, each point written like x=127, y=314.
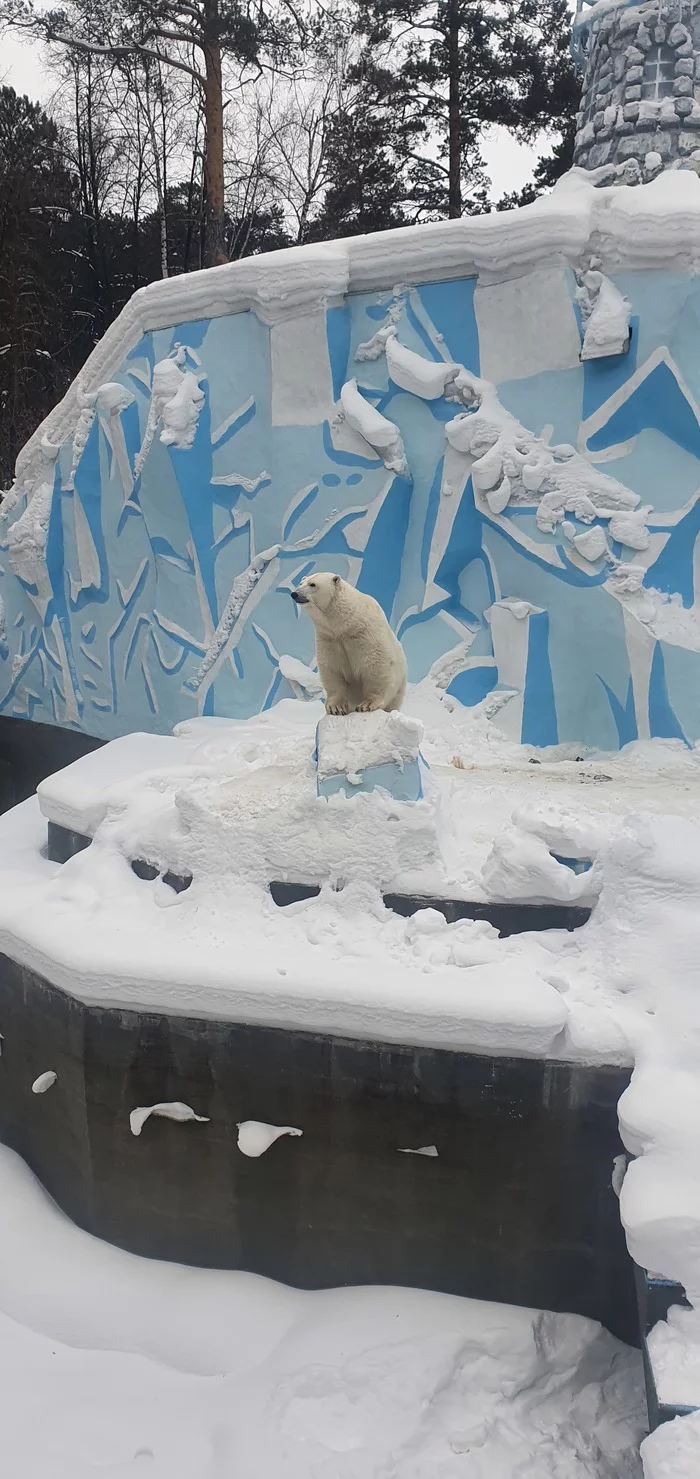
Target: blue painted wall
x=111, y=633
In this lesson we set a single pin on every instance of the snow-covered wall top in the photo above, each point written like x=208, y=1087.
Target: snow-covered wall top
x=491, y=425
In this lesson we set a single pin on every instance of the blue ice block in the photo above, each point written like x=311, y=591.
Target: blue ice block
x=401, y=777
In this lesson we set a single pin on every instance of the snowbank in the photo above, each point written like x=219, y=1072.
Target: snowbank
x=76, y=797
x=642, y=945
x=672, y=1451
x=234, y=806
x=117, y=1365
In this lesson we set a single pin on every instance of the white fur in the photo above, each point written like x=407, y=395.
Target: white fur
x=360, y=662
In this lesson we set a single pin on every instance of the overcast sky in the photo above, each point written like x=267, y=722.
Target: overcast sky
x=510, y=163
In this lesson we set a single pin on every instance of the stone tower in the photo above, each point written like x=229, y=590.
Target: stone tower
x=640, y=109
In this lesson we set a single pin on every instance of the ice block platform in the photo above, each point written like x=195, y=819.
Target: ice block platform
x=366, y=752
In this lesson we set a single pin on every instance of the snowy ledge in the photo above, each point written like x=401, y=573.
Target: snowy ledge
x=234, y=806
x=628, y=227
x=95, y=930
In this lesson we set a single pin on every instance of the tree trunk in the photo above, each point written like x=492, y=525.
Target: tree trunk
x=150, y=100
x=193, y=185
x=163, y=184
x=215, y=220
x=454, y=202
x=160, y=199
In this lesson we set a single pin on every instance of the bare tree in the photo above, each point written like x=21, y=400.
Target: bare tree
x=92, y=148
x=291, y=125
x=297, y=128
x=155, y=109
x=190, y=36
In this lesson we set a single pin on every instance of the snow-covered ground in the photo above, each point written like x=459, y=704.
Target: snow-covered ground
x=235, y=806
x=114, y=1366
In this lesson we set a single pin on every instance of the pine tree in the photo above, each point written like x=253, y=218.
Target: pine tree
x=365, y=159
x=38, y=199
x=461, y=65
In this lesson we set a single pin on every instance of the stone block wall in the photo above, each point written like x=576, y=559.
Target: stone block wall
x=640, y=109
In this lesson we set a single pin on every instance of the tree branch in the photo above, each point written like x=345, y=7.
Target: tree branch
x=135, y=48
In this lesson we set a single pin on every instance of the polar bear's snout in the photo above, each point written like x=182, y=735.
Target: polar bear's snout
x=300, y=598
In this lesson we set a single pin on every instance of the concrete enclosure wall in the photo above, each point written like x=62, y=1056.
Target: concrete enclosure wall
x=151, y=543
x=516, y=1206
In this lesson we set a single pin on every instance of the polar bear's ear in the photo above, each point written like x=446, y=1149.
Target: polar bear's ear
x=336, y=580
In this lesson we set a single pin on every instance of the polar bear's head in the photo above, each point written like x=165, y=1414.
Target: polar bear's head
x=318, y=591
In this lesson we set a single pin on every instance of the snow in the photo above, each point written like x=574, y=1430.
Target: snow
x=255, y=1137
x=26, y=538
x=377, y=430
x=630, y=528
x=181, y=1113
x=176, y=401
x=415, y=374
x=607, y=317
x=672, y=1451
x=352, y=743
x=24, y=842
x=618, y=1173
x=114, y=1365
x=263, y=565
x=522, y=867
x=645, y=936
x=664, y=616
x=111, y=397
x=674, y=1352
x=76, y=797
x=44, y=1081
x=302, y=679
x=592, y=543
x=234, y=804
x=508, y=464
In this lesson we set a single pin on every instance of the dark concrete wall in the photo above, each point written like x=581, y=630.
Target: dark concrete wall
x=517, y=1207
x=30, y=752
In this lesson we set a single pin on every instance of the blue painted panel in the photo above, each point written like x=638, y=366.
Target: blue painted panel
x=623, y=714
x=602, y=377
x=116, y=628
x=473, y=685
x=552, y=398
x=403, y=784
x=450, y=306
x=658, y=403
x=339, y=330
x=381, y=565
x=663, y=723
x=539, y=725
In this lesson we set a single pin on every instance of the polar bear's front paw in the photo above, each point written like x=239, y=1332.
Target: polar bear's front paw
x=369, y=706
x=337, y=706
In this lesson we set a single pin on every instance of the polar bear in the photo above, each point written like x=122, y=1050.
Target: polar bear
x=361, y=663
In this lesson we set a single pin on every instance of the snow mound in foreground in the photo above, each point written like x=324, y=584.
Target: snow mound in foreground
x=114, y=1365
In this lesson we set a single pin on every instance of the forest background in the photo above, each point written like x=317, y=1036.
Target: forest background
x=184, y=133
